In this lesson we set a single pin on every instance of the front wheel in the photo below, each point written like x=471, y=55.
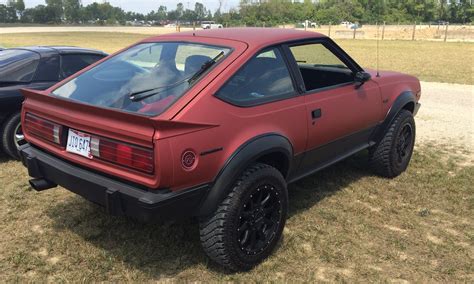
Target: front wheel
x=248, y=224
x=391, y=156
x=12, y=135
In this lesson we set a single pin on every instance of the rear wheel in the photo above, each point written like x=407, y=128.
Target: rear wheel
x=12, y=135
x=248, y=224
x=391, y=156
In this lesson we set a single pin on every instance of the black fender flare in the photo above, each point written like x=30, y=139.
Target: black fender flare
x=244, y=156
x=400, y=102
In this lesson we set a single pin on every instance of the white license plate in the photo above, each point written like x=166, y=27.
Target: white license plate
x=79, y=143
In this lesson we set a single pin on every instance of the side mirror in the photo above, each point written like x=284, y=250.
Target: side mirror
x=360, y=78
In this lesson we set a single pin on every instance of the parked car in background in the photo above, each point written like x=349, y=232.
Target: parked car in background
x=210, y=25
x=346, y=24
x=307, y=24
x=38, y=68
x=355, y=26
x=214, y=124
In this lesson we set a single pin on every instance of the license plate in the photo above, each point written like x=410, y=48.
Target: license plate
x=79, y=143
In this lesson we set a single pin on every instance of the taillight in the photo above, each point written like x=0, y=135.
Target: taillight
x=42, y=128
x=127, y=155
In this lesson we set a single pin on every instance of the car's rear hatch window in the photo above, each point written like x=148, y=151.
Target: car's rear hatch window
x=145, y=79
x=17, y=65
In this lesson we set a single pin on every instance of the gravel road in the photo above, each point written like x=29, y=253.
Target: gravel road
x=127, y=29
x=446, y=115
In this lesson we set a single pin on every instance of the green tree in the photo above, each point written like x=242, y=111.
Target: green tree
x=179, y=10
x=200, y=11
x=8, y=13
x=20, y=7
x=72, y=10
x=55, y=10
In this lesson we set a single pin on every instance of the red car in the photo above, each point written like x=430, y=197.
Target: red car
x=215, y=124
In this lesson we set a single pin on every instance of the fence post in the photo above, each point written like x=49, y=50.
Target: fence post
x=413, y=34
x=354, y=34
x=194, y=25
x=383, y=30
x=329, y=34
x=446, y=32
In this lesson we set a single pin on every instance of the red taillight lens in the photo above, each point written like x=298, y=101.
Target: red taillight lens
x=123, y=154
x=42, y=128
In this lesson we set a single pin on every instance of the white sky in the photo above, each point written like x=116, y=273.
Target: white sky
x=145, y=6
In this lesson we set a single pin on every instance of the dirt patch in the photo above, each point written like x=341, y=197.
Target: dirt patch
x=446, y=118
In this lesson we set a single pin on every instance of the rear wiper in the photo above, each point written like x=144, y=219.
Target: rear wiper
x=141, y=95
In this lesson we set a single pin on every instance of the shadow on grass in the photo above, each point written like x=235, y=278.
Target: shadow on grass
x=166, y=249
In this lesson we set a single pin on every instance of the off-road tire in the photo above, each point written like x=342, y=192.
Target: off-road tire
x=8, y=135
x=384, y=156
x=219, y=233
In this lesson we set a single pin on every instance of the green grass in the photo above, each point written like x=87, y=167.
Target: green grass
x=448, y=62
x=429, y=61
x=344, y=225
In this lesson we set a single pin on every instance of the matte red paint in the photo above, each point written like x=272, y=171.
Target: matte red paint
x=199, y=121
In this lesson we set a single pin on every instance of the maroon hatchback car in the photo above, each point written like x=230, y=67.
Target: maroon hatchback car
x=215, y=124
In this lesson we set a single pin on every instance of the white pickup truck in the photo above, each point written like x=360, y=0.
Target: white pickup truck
x=210, y=25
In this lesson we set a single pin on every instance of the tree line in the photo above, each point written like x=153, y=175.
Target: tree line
x=266, y=13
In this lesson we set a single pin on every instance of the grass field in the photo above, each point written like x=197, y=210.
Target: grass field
x=429, y=61
x=344, y=225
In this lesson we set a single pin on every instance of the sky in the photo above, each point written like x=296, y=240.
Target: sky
x=145, y=6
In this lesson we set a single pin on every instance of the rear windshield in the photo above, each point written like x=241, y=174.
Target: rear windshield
x=18, y=65
x=145, y=79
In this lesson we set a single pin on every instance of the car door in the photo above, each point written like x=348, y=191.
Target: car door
x=340, y=114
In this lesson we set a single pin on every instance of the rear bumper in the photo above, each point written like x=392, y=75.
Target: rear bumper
x=118, y=198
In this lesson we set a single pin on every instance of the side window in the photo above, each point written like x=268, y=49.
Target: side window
x=72, y=63
x=320, y=67
x=264, y=78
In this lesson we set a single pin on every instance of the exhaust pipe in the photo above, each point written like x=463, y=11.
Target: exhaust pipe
x=40, y=184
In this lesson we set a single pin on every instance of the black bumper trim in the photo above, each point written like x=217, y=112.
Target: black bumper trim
x=116, y=197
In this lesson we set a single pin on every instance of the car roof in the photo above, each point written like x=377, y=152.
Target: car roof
x=61, y=49
x=250, y=36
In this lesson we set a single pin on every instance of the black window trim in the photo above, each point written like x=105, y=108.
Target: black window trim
x=332, y=47
x=43, y=58
x=263, y=101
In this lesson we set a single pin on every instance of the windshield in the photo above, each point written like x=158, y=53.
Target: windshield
x=163, y=71
x=18, y=66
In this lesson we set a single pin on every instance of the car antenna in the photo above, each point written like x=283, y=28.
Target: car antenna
x=378, y=73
